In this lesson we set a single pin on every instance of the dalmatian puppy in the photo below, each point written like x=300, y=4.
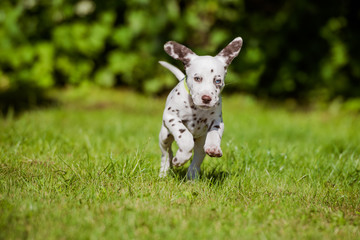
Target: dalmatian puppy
x=193, y=115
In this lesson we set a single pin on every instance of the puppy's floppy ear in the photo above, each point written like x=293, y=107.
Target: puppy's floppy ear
x=230, y=51
x=179, y=52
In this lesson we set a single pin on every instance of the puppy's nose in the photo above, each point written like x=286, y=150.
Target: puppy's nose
x=206, y=99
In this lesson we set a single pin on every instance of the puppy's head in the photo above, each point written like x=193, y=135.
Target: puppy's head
x=205, y=74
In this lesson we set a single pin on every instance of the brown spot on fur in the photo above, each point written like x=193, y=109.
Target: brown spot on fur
x=179, y=136
x=171, y=120
x=212, y=70
x=169, y=108
x=182, y=130
x=216, y=126
x=168, y=49
x=211, y=124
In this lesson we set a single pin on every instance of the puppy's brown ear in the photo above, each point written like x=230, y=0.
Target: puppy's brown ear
x=230, y=51
x=179, y=52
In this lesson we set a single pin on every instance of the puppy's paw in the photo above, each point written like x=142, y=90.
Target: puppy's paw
x=181, y=158
x=213, y=151
x=176, y=162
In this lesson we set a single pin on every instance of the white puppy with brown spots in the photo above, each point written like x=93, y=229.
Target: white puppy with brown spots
x=193, y=115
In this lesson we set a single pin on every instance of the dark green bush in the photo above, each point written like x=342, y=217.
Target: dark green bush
x=300, y=49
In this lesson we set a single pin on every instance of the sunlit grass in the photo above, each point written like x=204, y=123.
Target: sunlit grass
x=89, y=169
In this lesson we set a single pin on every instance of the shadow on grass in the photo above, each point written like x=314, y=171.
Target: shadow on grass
x=25, y=97
x=215, y=175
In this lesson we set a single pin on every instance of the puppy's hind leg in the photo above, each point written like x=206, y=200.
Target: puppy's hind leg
x=165, y=141
x=199, y=154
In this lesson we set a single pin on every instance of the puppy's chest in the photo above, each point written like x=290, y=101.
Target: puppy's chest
x=197, y=121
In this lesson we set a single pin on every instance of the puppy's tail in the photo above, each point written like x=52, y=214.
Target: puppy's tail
x=177, y=72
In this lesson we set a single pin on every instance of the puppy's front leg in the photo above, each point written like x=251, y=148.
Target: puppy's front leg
x=213, y=139
x=183, y=138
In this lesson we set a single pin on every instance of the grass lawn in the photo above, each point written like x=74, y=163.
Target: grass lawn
x=88, y=169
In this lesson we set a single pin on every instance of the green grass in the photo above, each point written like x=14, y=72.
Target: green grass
x=88, y=169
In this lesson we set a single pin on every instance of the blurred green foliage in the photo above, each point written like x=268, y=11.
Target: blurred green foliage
x=299, y=49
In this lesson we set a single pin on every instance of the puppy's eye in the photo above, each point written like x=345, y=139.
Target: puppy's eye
x=217, y=81
x=197, y=79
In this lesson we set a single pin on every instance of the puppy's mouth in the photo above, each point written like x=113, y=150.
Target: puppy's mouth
x=205, y=106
